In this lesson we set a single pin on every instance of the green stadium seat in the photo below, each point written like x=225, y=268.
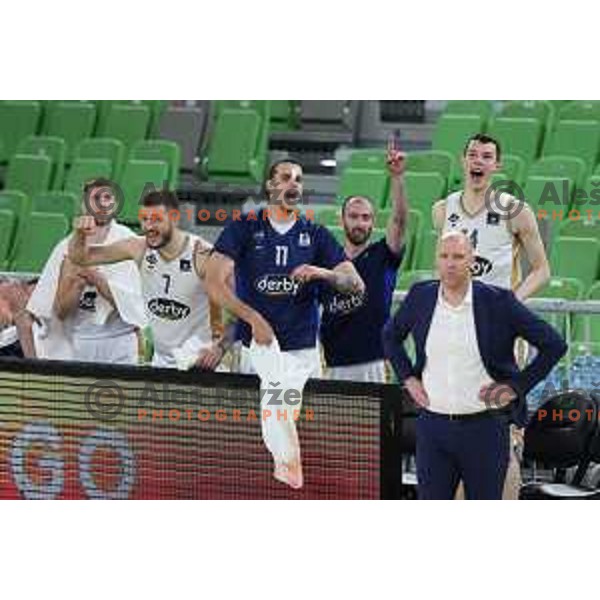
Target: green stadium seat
x=16, y=202
x=549, y=193
x=168, y=152
x=85, y=169
x=140, y=177
x=102, y=109
x=371, y=158
x=587, y=327
x=42, y=231
x=338, y=233
x=424, y=190
x=18, y=120
x=406, y=279
x=518, y=136
x=29, y=174
x=452, y=132
x=325, y=214
x=514, y=168
x=8, y=222
x=61, y=203
x=576, y=138
x=20, y=205
x=382, y=216
x=542, y=110
x=262, y=107
x=482, y=108
x=432, y=161
x=586, y=200
x=426, y=247
x=157, y=109
x=580, y=110
x=578, y=258
x=53, y=147
x=72, y=121
x=283, y=115
x=128, y=123
x=583, y=228
x=237, y=149
x=104, y=148
x=329, y=215
x=372, y=183
x=414, y=231
x=563, y=288
x=570, y=167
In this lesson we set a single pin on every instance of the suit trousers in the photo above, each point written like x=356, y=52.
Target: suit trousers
x=474, y=450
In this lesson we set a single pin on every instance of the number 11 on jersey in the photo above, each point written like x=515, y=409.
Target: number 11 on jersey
x=281, y=256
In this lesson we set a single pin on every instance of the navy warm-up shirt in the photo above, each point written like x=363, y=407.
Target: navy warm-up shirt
x=264, y=260
x=352, y=323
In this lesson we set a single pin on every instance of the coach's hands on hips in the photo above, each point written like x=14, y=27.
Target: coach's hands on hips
x=262, y=332
x=84, y=226
x=417, y=392
x=210, y=358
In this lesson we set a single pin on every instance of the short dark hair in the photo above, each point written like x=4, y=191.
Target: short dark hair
x=283, y=161
x=483, y=138
x=273, y=170
x=349, y=199
x=166, y=198
x=98, y=182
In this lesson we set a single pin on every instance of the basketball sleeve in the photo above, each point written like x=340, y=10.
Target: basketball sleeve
x=232, y=240
x=329, y=253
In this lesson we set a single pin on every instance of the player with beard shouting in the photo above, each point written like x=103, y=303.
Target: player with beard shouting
x=171, y=263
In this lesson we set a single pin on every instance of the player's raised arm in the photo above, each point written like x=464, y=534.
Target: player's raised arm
x=396, y=226
x=525, y=228
x=83, y=254
x=218, y=276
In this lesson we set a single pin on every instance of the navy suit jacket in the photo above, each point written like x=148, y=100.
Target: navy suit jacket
x=499, y=320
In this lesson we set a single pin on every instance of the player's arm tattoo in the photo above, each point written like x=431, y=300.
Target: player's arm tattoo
x=396, y=227
x=346, y=279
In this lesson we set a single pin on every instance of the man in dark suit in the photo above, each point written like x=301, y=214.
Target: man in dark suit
x=465, y=379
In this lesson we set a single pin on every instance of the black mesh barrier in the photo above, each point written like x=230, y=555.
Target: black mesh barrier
x=69, y=430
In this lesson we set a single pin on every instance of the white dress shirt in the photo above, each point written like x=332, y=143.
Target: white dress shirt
x=454, y=372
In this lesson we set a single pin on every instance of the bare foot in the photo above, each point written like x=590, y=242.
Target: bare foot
x=290, y=474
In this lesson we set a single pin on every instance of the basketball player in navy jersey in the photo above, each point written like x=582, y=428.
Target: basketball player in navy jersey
x=352, y=323
x=278, y=258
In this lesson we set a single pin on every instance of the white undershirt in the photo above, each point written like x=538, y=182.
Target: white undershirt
x=454, y=371
x=281, y=226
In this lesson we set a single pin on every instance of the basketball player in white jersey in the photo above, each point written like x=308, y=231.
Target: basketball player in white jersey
x=171, y=264
x=499, y=237
x=80, y=291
